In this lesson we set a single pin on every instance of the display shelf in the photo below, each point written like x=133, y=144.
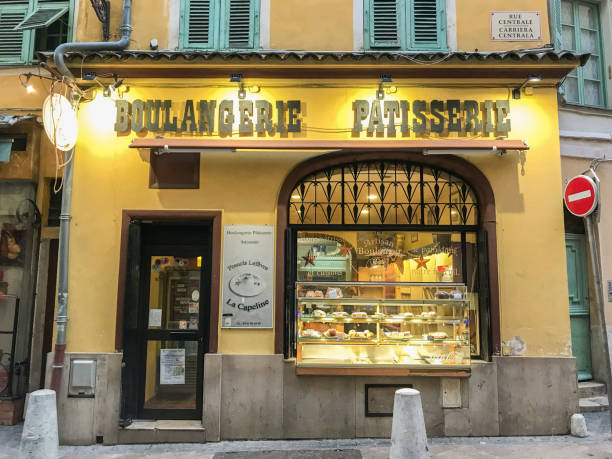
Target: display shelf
x=385, y=317
x=373, y=301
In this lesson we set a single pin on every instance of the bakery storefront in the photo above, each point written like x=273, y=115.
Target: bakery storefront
x=275, y=255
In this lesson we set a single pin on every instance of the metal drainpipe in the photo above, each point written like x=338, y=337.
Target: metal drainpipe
x=125, y=29
x=62, y=290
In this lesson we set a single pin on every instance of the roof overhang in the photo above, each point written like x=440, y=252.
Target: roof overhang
x=548, y=63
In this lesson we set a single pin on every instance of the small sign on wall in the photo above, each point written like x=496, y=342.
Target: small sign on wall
x=610, y=291
x=248, y=282
x=516, y=26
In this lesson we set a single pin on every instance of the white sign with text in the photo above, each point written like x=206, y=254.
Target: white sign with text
x=248, y=270
x=516, y=26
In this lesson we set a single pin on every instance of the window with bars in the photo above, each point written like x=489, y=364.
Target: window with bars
x=27, y=26
x=219, y=24
x=405, y=24
x=383, y=193
x=581, y=32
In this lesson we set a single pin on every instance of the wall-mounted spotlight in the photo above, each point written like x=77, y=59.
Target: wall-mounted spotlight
x=111, y=90
x=380, y=92
x=237, y=78
x=26, y=84
x=516, y=92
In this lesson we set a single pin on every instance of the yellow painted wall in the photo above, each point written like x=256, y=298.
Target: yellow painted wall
x=110, y=177
x=314, y=25
x=474, y=24
x=150, y=19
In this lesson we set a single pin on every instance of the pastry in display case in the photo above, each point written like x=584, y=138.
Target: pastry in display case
x=368, y=323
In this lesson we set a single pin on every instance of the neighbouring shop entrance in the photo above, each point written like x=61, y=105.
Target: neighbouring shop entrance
x=578, y=292
x=164, y=351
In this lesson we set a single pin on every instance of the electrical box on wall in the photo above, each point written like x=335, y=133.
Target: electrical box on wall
x=82, y=378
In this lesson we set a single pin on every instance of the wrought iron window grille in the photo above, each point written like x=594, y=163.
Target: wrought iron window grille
x=383, y=193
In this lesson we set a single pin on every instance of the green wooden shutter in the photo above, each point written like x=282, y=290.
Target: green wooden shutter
x=14, y=44
x=43, y=16
x=385, y=23
x=240, y=29
x=198, y=24
x=427, y=24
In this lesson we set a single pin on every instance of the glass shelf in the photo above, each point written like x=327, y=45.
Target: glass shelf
x=382, y=334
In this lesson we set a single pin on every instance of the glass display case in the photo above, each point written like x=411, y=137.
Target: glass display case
x=391, y=323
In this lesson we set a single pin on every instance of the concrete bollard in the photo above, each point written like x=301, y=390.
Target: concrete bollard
x=39, y=439
x=578, y=426
x=408, y=436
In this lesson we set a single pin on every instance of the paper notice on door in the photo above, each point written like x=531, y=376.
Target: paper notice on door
x=155, y=316
x=172, y=366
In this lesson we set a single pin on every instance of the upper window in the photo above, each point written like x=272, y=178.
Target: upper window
x=581, y=32
x=404, y=24
x=220, y=24
x=27, y=26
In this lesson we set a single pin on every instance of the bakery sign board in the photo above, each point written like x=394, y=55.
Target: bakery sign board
x=516, y=26
x=248, y=270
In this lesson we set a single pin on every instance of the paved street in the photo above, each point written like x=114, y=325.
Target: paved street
x=597, y=445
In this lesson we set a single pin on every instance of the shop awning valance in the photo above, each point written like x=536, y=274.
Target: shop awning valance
x=387, y=145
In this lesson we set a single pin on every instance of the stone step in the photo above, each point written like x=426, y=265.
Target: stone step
x=162, y=432
x=593, y=404
x=591, y=389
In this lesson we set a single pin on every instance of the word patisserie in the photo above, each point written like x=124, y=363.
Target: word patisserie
x=436, y=116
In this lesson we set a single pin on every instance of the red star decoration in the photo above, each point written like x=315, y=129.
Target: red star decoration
x=421, y=262
x=344, y=250
x=309, y=259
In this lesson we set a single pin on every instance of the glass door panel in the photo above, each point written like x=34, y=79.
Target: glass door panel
x=171, y=375
x=174, y=293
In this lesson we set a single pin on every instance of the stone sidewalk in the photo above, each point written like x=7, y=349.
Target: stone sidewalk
x=598, y=445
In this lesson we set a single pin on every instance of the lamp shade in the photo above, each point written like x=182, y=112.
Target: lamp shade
x=60, y=121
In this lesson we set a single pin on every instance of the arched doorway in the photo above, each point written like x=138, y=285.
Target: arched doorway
x=413, y=205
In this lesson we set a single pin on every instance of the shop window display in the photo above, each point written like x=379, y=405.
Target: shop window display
x=386, y=298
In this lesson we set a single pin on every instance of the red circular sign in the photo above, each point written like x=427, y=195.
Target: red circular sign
x=580, y=195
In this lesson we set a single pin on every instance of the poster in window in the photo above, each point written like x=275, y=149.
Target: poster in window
x=172, y=366
x=248, y=295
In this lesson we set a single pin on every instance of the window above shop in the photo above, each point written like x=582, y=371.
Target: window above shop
x=580, y=29
x=404, y=24
x=29, y=26
x=219, y=25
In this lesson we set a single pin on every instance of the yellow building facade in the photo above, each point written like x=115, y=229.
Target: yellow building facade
x=275, y=225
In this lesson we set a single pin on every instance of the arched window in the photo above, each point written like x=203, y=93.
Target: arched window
x=383, y=193
x=394, y=227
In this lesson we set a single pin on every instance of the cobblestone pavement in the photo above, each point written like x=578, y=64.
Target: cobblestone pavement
x=598, y=445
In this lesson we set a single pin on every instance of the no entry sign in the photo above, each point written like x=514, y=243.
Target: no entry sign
x=581, y=195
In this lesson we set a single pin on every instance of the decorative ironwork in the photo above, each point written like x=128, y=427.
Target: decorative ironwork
x=102, y=9
x=383, y=193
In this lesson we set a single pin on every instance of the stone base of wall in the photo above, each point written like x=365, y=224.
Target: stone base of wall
x=260, y=397
x=85, y=421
